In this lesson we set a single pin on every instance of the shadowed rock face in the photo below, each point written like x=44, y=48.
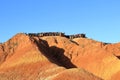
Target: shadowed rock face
x=54, y=54
x=25, y=57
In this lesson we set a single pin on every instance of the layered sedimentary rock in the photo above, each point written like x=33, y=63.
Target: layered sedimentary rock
x=25, y=57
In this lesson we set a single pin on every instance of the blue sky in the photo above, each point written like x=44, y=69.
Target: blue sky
x=98, y=19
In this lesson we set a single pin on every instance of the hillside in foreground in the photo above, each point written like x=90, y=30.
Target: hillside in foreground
x=25, y=57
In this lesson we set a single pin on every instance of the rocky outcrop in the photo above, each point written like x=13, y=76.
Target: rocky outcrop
x=26, y=57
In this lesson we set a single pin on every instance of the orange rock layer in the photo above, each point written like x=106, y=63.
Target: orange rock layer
x=25, y=57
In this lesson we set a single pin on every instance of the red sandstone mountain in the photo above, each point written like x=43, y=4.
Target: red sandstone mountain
x=26, y=57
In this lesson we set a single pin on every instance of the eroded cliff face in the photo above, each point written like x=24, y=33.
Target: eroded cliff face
x=55, y=58
x=89, y=54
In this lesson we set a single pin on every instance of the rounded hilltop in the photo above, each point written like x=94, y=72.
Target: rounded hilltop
x=56, y=56
x=47, y=58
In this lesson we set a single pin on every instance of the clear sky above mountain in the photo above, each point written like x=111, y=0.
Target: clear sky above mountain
x=99, y=19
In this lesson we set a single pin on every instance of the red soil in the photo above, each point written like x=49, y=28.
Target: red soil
x=58, y=58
